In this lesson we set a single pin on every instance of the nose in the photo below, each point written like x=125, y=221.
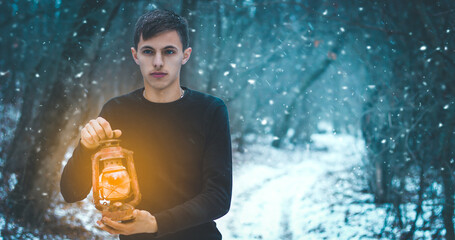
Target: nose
x=158, y=61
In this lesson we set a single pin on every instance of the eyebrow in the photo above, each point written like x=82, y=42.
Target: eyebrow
x=167, y=47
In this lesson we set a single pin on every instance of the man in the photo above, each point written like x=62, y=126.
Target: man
x=180, y=139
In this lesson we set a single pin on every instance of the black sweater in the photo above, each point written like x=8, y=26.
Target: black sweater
x=182, y=154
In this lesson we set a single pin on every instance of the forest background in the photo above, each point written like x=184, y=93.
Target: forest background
x=381, y=71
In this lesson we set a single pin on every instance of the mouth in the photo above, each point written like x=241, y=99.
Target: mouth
x=158, y=74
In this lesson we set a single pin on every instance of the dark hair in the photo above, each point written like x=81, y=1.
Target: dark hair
x=157, y=21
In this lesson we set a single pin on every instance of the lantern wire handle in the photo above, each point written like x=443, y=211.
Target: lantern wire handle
x=110, y=142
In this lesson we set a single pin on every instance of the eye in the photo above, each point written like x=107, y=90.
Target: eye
x=147, y=51
x=169, y=52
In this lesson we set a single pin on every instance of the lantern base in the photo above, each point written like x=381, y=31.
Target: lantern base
x=119, y=212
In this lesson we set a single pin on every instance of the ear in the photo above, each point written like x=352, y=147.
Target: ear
x=186, y=55
x=134, y=53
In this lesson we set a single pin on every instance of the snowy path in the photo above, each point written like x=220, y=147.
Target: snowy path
x=280, y=197
x=263, y=210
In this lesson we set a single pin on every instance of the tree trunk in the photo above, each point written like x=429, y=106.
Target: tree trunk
x=188, y=11
x=280, y=129
x=440, y=74
x=214, y=75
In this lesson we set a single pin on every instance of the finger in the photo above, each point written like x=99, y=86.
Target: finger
x=106, y=127
x=107, y=228
x=117, y=133
x=98, y=129
x=92, y=133
x=135, y=214
x=85, y=135
x=113, y=224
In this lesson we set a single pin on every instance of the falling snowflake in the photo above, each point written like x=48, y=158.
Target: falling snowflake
x=79, y=75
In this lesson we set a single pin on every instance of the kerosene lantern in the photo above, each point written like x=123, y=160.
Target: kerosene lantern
x=114, y=179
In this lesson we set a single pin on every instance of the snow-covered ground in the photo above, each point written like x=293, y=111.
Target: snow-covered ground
x=311, y=193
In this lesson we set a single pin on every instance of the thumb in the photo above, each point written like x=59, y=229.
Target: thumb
x=117, y=133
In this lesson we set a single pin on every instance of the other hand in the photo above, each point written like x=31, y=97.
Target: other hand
x=143, y=222
x=97, y=130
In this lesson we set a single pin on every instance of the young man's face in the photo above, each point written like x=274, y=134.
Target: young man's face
x=160, y=59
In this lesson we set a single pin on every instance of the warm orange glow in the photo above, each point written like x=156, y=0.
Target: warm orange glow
x=114, y=181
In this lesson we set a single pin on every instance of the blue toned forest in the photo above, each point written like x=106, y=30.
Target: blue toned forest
x=342, y=113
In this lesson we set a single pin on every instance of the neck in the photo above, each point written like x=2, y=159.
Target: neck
x=163, y=96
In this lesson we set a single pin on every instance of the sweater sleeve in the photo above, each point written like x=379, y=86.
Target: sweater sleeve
x=215, y=198
x=76, y=179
